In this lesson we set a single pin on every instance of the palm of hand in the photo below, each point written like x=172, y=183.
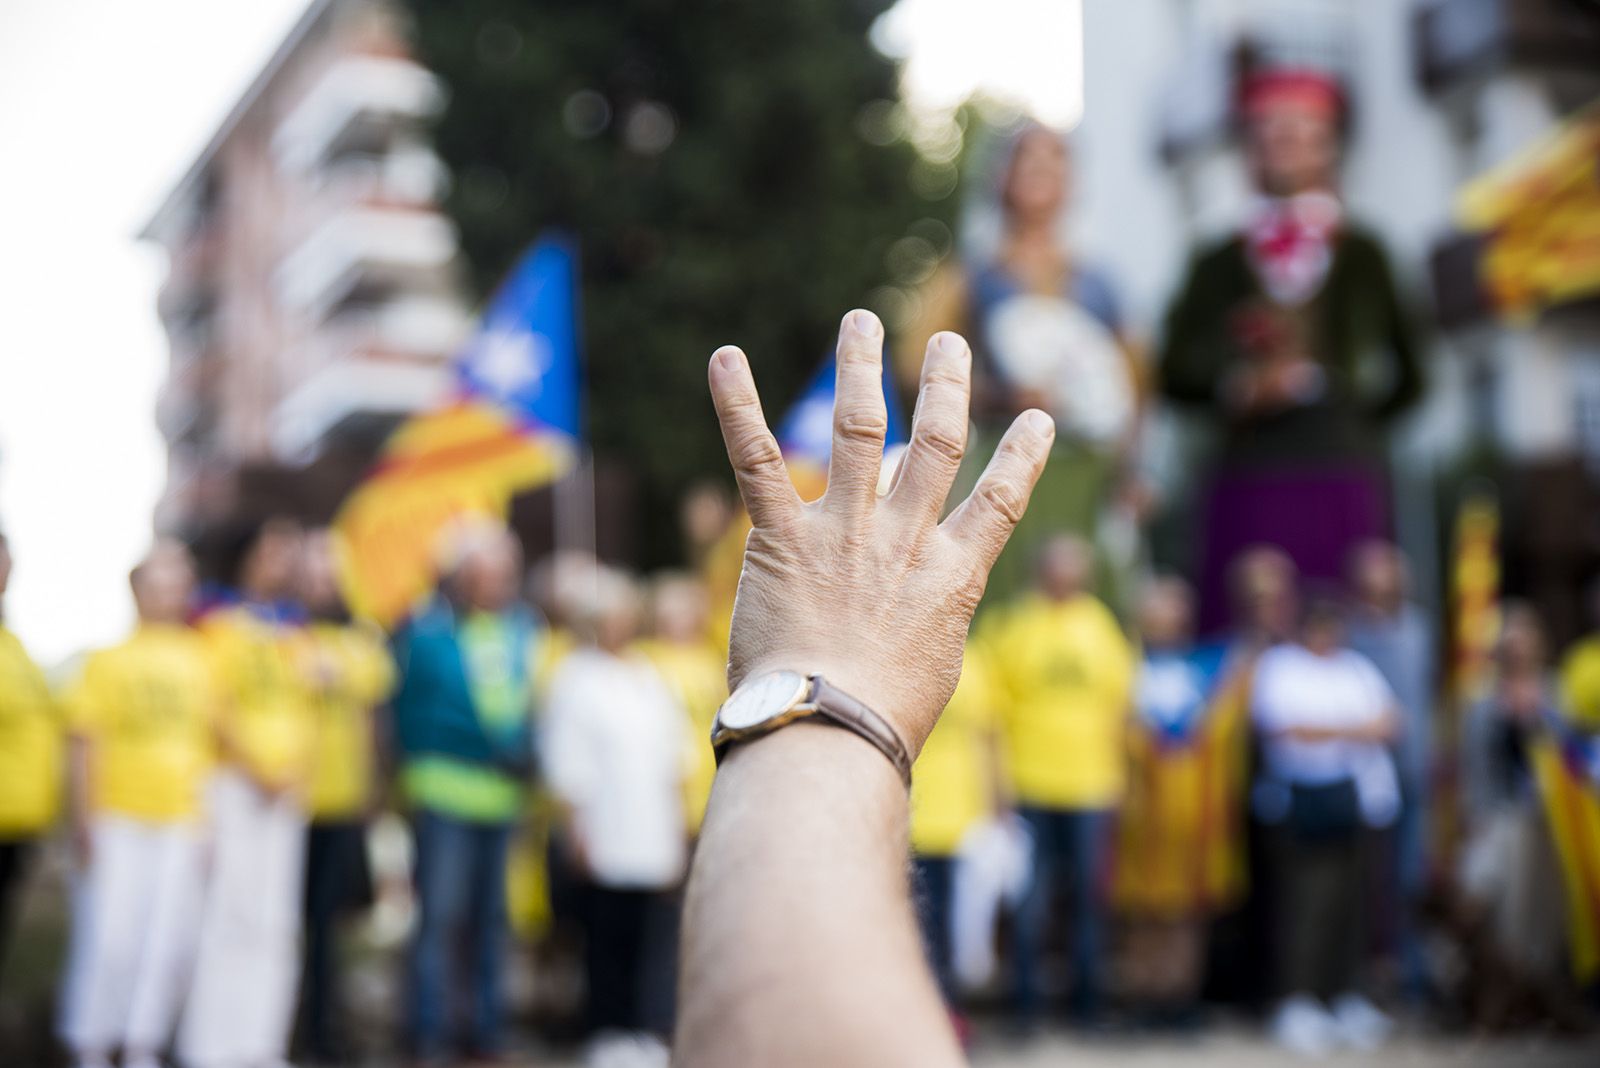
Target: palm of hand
x=875, y=594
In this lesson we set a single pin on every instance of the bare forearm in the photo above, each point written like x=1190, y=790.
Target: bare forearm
x=799, y=943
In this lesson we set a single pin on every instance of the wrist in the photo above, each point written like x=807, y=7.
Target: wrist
x=820, y=761
x=772, y=700
x=860, y=681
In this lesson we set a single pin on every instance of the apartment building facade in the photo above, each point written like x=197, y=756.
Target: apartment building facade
x=313, y=294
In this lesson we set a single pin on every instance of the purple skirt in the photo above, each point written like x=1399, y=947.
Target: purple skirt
x=1315, y=516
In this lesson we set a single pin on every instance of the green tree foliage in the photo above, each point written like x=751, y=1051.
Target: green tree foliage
x=732, y=173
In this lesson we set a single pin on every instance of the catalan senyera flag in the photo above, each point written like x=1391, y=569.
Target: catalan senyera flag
x=805, y=437
x=1540, y=214
x=1566, y=767
x=512, y=423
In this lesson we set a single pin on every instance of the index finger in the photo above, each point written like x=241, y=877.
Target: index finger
x=769, y=495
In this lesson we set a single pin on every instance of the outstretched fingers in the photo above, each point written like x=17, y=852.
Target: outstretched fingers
x=860, y=418
x=939, y=429
x=984, y=521
x=769, y=496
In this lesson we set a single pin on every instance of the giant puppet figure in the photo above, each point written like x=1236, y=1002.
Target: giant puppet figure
x=1289, y=336
x=1045, y=330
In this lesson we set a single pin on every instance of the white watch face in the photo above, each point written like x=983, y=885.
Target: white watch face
x=762, y=698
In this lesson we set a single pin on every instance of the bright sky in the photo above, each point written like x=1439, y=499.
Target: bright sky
x=102, y=105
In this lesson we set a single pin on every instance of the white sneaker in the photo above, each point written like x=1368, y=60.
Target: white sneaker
x=1361, y=1024
x=609, y=1049
x=650, y=1052
x=1301, y=1025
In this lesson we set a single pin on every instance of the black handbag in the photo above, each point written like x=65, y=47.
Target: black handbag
x=1325, y=810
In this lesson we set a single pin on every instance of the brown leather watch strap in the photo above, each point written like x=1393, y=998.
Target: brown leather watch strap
x=842, y=710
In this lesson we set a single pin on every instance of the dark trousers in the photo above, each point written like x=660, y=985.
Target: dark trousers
x=14, y=856
x=336, y=883
x=461, y=903
x=630, y=951
x=1320, y=912
x=935, y=895
x=1069, y=849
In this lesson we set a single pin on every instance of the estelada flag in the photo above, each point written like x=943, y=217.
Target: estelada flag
x=512, y=423
x=805, y=437
x=1180, y=831
x=1566, y=767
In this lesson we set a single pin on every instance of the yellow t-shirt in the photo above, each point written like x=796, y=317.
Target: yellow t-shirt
x=1580, y=683
x=697, y=674
x=352, y=673
x=1065, y=671
x=30, y=744
x=147, y=707
x=265, y=670
x=950, y=788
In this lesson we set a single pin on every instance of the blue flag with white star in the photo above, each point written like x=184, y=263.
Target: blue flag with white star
x=806, y=434
x=524, y=356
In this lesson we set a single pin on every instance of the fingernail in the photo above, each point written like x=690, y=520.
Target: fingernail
x=864, y=323
x=952, y=345
x=1041, y=424
x=728, y=357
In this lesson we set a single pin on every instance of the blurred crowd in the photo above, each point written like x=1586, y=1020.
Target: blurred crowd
x=1148, y=794
x=1121, y=825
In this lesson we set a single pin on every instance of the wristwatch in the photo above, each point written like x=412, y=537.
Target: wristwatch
x=768, y=702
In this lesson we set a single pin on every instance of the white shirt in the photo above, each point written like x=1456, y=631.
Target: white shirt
x=1294, y=687
x=615, y=750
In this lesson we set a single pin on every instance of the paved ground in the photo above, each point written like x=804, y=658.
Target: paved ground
x=1241, y=1050
x=1239, y=1047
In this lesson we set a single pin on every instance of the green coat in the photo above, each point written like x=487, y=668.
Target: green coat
x=1356, y=328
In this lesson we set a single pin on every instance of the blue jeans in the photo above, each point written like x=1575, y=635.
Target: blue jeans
x=1069, y=846
x=935, y=891
x=461, y=902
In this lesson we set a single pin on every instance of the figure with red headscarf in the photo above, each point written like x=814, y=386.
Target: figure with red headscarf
x=1290, y=335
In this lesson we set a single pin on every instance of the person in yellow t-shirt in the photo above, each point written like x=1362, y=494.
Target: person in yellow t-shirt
x=1580, y=674
x=242, y=995
x=1065, y=671
x=695, y=670
x=352, y=673
x=30, y=759
x=953, y=788
x=141, y=716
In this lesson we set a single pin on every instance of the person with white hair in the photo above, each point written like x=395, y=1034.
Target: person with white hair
x=616, y=753
x=463, y=727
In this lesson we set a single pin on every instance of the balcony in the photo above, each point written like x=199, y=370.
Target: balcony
x=355, y=399
x=366, y=367
x=409, y=175
x=357, y=105
x=367, y=245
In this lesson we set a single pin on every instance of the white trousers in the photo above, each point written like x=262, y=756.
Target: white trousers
x=241, y=1002
x=134, y=923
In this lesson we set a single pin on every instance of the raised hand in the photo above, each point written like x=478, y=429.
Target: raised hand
x=874, y=593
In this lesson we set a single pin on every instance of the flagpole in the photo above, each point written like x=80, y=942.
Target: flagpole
x=573, y=500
